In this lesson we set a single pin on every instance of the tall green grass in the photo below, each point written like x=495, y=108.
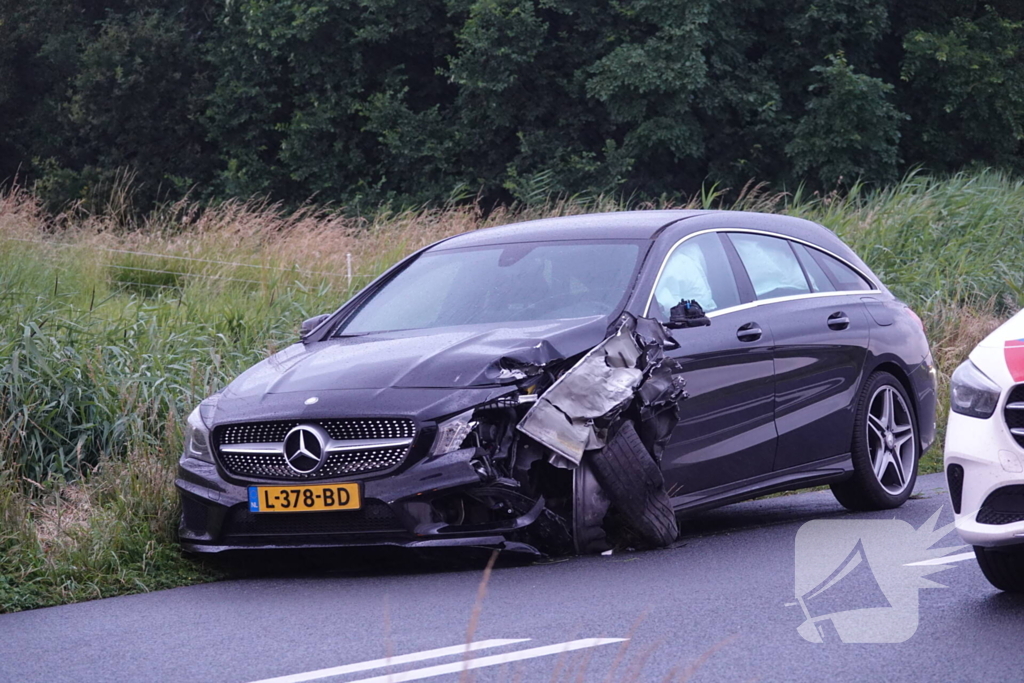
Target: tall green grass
x=935, y=241
x=109, y=339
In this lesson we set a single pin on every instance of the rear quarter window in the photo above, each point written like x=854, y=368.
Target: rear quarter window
x=845, y=278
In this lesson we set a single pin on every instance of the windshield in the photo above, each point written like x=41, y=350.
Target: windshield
x=502, y=284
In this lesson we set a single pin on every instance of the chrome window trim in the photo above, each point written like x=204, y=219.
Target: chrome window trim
x=754, y=304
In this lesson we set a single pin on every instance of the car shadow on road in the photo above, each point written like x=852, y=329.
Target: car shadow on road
x=755, y=515
x=1003, y=605
x=357, y=562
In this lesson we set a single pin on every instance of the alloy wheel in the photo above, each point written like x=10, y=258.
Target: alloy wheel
x=891, y=443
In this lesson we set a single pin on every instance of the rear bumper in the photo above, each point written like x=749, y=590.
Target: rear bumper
x=396, y=511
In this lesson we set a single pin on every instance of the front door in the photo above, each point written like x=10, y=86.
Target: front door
x=726, y=431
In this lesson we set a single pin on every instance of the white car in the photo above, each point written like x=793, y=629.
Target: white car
x=984, y=456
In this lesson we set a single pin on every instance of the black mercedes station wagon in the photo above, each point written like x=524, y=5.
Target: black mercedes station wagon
x=566, y=385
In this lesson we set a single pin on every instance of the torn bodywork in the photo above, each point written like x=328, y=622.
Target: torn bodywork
x=583, y=439
x=627, y=370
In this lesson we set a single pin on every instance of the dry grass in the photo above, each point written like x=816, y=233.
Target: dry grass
x=61, y=515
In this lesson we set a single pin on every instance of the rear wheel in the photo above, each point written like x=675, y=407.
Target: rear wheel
x=884, y=448
x=1003, y=567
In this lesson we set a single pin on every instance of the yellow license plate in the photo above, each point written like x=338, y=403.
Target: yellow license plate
x=310, y=498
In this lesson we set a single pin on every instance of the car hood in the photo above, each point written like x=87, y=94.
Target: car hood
x=1011, y=330
x=449, y=358
x=1001, y=354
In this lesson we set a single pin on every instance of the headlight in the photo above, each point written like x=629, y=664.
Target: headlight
x=197, y=438
x=451, y=433
x=972, y=392
x=207, y=407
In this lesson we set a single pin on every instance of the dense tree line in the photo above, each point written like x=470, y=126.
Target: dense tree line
x=374, y=100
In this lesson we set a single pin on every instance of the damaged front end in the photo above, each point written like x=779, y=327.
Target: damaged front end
x=550, y=453
x=576, y=443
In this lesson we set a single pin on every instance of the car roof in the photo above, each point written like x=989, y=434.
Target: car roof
x=613, y=225
x=640, y=225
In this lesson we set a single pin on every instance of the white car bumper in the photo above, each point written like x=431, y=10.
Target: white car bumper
x=991, y=459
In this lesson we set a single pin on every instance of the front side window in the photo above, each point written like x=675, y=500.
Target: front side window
x=697, y=269
x=502, y=284
x=771, y=265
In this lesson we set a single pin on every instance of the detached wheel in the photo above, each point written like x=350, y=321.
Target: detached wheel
x=884, y=448
x=634, y=484
x=1004, y=568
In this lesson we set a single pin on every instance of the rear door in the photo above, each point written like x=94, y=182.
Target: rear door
x=727, y=431
x=821, y=336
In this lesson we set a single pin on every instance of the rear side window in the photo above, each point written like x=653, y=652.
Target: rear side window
x=771, y=265
x=697, y=269
x=845, y=278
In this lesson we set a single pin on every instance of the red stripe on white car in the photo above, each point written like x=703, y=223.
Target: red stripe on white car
x=1014, y=351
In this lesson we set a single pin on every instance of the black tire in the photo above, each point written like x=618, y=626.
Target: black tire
x=1004, y=568
x=864, y=490
x=634, y=484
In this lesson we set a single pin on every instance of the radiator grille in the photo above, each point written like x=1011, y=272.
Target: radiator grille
x=273, y=465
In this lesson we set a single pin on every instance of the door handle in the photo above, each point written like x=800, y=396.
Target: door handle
x=838, y=321
x=749, y=332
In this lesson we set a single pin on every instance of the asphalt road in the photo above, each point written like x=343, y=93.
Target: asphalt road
x=719, y=605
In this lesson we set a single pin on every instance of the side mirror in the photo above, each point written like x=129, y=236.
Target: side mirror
x=311, y=324
x=687, y=314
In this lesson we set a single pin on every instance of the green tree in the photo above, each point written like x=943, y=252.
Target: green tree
x=965, y=93
x=850, y=130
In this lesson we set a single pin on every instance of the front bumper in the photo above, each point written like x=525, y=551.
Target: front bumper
x=990, y=460
x=397, y=511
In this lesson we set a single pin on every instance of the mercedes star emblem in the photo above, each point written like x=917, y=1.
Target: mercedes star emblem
x=304, y=448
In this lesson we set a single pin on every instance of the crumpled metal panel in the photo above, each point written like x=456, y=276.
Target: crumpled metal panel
x=566, y=418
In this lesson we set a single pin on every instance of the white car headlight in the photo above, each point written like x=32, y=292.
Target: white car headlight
x=972, y=392
x=451, y=433
x=197, y=438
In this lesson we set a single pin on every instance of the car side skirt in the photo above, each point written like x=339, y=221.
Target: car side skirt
x=818, y=473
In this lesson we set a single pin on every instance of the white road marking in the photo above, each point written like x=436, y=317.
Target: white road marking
x=492, y=660
x=393, y=661
x=942, y=560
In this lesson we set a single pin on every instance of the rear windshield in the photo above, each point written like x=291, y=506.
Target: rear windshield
x=503, y=284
